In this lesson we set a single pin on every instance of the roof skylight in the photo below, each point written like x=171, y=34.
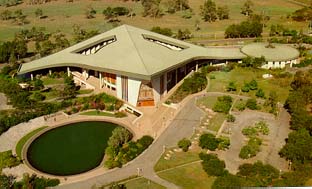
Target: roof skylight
x=95, y=47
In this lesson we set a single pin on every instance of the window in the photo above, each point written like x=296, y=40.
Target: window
x=95, y=47
x=124, y=87
x=165, y=43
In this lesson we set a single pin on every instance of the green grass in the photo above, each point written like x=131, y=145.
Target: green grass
x=98, y=113
x=207, y=101
x=52, y=81
x=178, y=158
x=190, y=176
x=242, y=75
x=142, y=183
x=51, y=94
x=64, y=15
x=216, y=122
x=85, y=91
x=22, y=141
x=71, y=149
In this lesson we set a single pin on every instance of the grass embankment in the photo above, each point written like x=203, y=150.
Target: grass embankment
x=244, y=75
x=98, y=113
x=22, y=141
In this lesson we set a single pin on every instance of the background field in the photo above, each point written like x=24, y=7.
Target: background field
x=63, y=15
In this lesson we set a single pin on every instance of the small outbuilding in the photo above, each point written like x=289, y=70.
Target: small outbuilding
x=276, y=55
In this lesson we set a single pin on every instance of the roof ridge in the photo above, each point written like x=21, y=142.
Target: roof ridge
x=136, y=48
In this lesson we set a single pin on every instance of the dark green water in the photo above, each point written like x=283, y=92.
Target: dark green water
x=70, y=149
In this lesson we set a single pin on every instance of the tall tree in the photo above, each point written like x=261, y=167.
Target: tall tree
x=151, y=8
x=247, y=8
x=209, y=11
x=223, y=12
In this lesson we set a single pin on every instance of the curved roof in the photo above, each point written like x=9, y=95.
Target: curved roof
x=279, y=52
x=131, y=52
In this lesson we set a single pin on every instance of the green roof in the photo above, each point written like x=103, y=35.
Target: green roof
x=133, y=52
x=279, y=52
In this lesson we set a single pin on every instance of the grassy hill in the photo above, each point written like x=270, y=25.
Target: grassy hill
x=62, y=15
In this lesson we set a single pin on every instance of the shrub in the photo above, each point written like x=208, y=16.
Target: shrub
x=184, y=144
x=245, y=88
x=230, y=118
x=223, y=104
x=224, y=143
x=260, y=93
x=231, y=86
x=253, y=85
x=251, y=149
x=145, y=141
x=250, y=131
x=252, y=104
x=227, y=181
x=241, y=106
x=208, y=141
x=212, y=77
x=37, y=96
x=262, y=127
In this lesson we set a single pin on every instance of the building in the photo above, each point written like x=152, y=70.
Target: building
x=276, y=55
x=135, y=65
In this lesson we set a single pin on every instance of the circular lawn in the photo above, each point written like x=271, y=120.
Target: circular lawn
x=70, y=149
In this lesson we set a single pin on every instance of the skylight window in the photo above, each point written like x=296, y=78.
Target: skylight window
x=164, y=43
x=95, y=47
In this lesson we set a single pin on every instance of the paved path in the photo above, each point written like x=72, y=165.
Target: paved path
x=180, y=127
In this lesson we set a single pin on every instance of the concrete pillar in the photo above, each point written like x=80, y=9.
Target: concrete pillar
x=50, y=72
x=68, y=71
x=100, y=80
x=196, y=68
x=32, y=76
x=176, y=76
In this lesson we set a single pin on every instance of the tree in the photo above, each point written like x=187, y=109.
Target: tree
x=260, y=93
x=298, y=146
x=38, y=84
x=151, y=8
x=272, y=102
x=38, y=13
x=253, y=85
x=20, y=18
x=223, y=12
x=163, y=31
x=223, y=104
x=212, y=165
x=208, y=11
x=6, y=15
x=119, y=137
x=6, y=181
x=184, y=144
x=252, y=104
x=60, y=41
x=90, y=12
x=80, y=34
x=247, y=8
x=231, y=86
x=69, y=90
x=227, y=181
x=208, y=141
x=183, y=34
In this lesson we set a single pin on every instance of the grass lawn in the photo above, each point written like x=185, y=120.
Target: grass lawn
x=51, y=94
x=142, y=183
x=61, y=14
x=216, y=122
x=98, y=113
x=178, y=158
x=244, y=75
x=207, y=101
x=189, y=176
x=7, y=160
x=52, y=81
x=25, y=138
x=85, y=91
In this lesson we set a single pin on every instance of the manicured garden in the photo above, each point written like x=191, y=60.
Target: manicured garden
x=70, y=149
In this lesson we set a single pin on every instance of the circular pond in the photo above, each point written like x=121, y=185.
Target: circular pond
x=70, y=149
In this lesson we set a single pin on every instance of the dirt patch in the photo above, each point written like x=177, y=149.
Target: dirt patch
x=3, y=102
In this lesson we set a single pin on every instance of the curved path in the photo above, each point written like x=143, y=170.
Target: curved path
x=180, y=127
